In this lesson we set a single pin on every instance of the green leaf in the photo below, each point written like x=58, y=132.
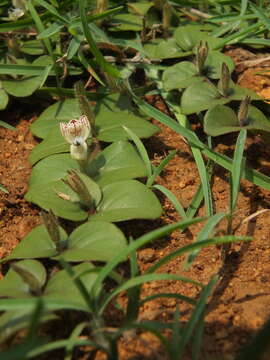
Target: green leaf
x=112, y=114
x=46, y=197
x=67, y=204
x=117, y=111
x=221, y=120
x=64, y=110
x=34, y=277
x=185, y=73
x=201, y=96
x=51, y=169
x=62, y=288
x=126, y=22
x=13, y=284
x=163, y=49
x=54, y=143
x=3, y=100
x=32, y=47
x=22, y=88
x=140, y=8
x=28, y=249
x=187, y=37
x=125, y=200
x=51, y=30
x=214, y=62
x=118, y=161
x=180, y=75
x=95, y=240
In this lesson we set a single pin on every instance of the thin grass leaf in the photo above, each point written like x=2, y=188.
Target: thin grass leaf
x=50, y=31
x=96, y=52
x=204, y=176
x=198, y=338
x=94, y=96
x=176, y=334
x=252, y=175
x=195, y=203
x=45, y=74
x=141, y=241
x=168, y=295
x=52, y=10
x=173, y=199
x=260, y=14
x=7, y=126
x=88, y=66
x=141, y=149
x=40, y=27
x=237, y=168
x=141, y=280
x=90, y=18
x=133, y=294
x=157, y=170
x=236, y=37
x=204, y=234
x=196, y=315
x=29, y=70
x=35, y=319
x=59, y=344
x=73, y=338
x=195, y=246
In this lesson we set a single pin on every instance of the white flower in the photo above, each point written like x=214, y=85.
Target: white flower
x=76, y=132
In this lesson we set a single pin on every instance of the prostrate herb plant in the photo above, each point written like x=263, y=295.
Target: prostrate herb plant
x=92, y=171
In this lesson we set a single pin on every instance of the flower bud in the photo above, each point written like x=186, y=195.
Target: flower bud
x=225, y=79
x=28, y=277
x=243, y=111
x=78, y=186
x=201, y=55
x=50, y=221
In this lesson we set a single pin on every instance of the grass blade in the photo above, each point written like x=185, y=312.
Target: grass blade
x=195, y=203
x=196, y=315
x=157, y=170
x=141, y=241
x=96, y=52
x=173, y=199
x=141, y=149
x=141, y=280
x=204, y=235
x=195, y=246
x=253, y=176
x=237, y=168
